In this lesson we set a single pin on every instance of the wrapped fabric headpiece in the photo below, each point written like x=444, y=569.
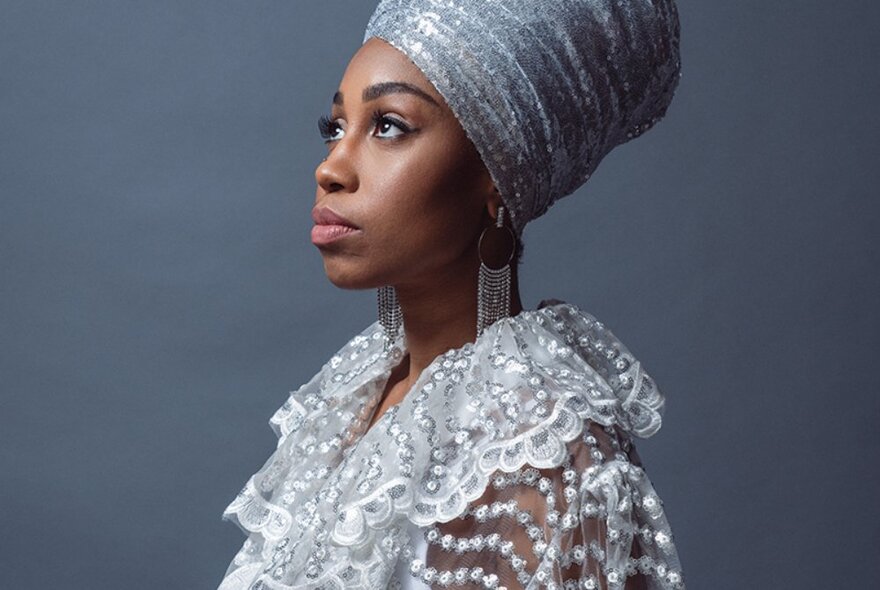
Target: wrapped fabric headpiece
x=544, y=90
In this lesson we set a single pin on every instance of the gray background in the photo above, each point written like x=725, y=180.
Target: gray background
x=160, y=295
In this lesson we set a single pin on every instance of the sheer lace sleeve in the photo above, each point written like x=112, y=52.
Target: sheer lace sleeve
x=594, y=522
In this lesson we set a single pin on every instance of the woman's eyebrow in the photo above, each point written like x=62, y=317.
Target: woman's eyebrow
x=376, y=90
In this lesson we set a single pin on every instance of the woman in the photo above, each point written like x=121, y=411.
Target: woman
x=461, y=440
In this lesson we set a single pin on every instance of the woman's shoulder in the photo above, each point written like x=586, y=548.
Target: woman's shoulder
x=559, y=359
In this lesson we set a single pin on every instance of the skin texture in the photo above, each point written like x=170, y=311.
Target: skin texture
x=420, y=200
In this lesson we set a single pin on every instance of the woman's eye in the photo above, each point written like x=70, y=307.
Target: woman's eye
x=385, y=124
x=328, y=128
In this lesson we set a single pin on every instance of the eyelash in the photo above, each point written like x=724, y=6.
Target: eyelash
x=325, y=125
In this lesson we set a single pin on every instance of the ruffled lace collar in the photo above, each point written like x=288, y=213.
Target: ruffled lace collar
x=515, y=396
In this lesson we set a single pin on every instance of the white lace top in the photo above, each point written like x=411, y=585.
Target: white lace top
x=508, y=464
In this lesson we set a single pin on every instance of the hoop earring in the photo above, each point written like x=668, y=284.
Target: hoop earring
x=390, y=314
x=493, y=284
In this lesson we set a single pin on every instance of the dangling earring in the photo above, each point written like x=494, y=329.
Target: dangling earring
x=390, y=314
x=493, y=285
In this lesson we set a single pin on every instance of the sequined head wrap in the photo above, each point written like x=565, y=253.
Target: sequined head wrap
x=543, y=89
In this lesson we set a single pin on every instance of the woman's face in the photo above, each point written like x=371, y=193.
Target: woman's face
x=401, y=169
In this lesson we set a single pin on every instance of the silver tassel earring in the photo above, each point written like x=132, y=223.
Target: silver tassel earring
x=390, y=315
x=493, y=285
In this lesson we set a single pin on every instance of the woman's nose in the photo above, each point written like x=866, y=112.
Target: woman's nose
x=335, y=173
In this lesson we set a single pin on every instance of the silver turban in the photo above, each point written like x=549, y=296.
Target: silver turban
x=543, y=88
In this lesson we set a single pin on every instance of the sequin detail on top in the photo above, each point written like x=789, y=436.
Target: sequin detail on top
x=544, y=90
x=511, y=454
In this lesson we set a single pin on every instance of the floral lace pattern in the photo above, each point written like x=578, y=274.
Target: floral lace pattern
x=511, y=455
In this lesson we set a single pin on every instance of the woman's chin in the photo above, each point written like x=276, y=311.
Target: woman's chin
x=346, y=278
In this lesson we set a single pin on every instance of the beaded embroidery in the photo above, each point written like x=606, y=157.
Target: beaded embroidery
x=511, y=455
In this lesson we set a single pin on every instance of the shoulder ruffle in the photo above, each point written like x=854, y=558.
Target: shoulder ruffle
x=516, y=396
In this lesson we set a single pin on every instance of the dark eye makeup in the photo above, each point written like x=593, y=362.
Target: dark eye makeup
x=327, y=127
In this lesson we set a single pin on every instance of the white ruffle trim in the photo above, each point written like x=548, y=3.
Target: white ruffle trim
x=514, y=397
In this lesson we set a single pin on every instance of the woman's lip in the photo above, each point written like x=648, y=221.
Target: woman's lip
x=324, y=234
x=326, y=215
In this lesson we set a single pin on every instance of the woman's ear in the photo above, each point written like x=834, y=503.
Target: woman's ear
x=493, y=202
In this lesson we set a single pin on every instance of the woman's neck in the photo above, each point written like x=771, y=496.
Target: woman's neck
x=441, y=318
x=436, y=319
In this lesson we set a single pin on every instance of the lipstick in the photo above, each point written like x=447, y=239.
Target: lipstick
x=330, y=226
